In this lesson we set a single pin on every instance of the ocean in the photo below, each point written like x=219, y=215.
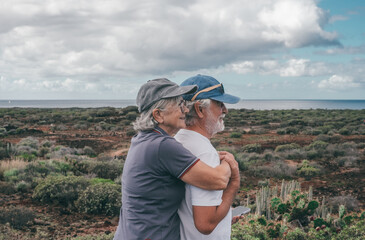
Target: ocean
x=247, y=104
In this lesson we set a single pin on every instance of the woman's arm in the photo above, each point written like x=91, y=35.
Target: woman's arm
x=203, y=176
x=206, y=218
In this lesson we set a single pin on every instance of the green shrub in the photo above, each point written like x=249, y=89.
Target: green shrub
x=355, y=232
x=306, y=170
x=107, y=170
x=320, y=234
x=251, y=231
x=11, y=175
x=101, y=198
x=297, y=234
x=89, y=151
x=255, y=147
x=130, y=132
x=131, y=116
x=101, y=180
x=7, y=188
x=23, y=187
x=102, y=236
x=345, y=131
x=286, y=147
x=236, y=135
x=317, y=145
x=30, y=142
x=18, y=218
x=60, y=189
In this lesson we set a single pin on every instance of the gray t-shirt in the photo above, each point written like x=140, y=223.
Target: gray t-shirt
x=151, y=188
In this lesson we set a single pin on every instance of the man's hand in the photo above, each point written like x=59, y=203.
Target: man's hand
x=229, y=158
x=236, y=219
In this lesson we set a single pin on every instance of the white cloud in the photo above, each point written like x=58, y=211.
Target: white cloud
x=295, y=23
x=336, y=82
x=83, y=39
x=290, y=68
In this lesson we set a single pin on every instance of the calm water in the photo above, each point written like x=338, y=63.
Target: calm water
x=248, y=104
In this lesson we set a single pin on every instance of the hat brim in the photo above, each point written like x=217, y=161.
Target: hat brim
x=226, y=98
x=181, y=90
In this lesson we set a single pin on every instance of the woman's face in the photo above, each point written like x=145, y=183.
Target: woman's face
x=173, y=117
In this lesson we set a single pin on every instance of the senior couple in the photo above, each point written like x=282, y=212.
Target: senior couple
x=175, y=185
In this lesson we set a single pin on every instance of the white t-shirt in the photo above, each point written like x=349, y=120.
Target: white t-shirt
x=201, y=147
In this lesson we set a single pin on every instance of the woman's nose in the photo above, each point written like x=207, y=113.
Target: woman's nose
x=186, y=109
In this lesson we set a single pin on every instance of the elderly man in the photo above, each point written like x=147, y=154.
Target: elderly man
x=206, y=214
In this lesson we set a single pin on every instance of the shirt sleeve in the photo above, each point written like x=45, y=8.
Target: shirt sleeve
x=201, y=197
x=176, y=159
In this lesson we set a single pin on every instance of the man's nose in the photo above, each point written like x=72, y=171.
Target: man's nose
x=224, y=109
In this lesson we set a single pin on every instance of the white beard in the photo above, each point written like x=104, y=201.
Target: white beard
x=214, y=126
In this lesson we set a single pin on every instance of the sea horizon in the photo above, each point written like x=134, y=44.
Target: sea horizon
x=256, y=104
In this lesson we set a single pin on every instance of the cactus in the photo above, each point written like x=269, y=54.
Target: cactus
x=341, y=211
x=310, y=193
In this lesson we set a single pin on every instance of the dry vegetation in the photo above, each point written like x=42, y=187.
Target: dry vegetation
x=59, y=168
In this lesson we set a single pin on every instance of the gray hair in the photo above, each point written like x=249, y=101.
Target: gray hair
x=146, y=121
x=191, y=117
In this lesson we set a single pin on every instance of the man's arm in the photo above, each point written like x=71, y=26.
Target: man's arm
x=203, y=176
x=206, y=218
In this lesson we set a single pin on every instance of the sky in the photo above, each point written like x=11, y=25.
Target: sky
x=106, y=49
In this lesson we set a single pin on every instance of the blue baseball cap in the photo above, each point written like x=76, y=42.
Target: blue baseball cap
x=208, y=88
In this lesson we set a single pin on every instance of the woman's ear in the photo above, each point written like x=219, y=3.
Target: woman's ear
x=156, y=113
x=198, y=110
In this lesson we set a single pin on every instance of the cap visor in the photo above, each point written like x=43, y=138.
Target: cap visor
x=226, y=98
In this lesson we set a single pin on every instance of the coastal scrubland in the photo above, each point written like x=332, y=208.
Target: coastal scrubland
x=302, y=172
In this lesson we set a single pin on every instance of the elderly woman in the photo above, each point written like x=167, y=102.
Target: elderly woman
x=157, y=166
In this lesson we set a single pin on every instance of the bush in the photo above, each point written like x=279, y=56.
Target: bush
x=297, y=234
x=7, y=188
x=89, y=151
x=30, y=142
x=255, y=147
x=345, y=131
x=280, y=170
x=101, y=198
x=236, y=135
x=102, y=236
x=317, y=145
x=23, y=187
x=250, y=231
x=11, y=175
x=286, y=147
x=17, y=217
x=107, y=170
x=306, y=170
x=356, y=232
x=60, y=189
x=350, y=203
x=101, y=180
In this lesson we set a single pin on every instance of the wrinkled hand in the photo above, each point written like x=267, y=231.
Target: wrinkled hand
x=229, y=158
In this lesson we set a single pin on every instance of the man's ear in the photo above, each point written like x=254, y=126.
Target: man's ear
x=156, y=113
x=198, y=110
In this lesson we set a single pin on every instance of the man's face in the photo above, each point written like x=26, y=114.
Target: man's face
x=215, y=114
